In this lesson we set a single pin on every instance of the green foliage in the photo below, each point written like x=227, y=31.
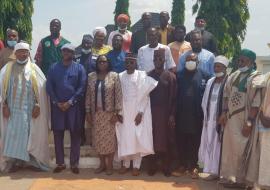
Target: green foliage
x=227, y=20
x=121, y=8
x=16, y=14
x=178, y=12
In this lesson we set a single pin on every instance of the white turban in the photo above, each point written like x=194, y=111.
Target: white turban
x=22, y=45
x=222, y=59
x=100, y=29
x=68, y=46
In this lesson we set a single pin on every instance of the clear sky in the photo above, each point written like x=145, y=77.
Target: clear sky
x=81, y=16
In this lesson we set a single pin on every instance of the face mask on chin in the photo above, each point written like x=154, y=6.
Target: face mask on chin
x=200, y=28
x=243, y=69
x=191, y=65
x=122, y=29
x=86, y=51
x=220, y=74
x=22, y=62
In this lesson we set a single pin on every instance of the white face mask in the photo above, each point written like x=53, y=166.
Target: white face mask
x=122, y=28
x=86, y=51
x=191, y=65
x=200, y=28
x=243, y=69
x=22, y=62
x=220, y=74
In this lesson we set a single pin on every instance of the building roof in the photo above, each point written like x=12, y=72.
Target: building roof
x=138, y=25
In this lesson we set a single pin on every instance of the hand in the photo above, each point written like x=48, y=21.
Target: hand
x=6, y=111
x=171, y=122
x=138, y=119
x=36, y=111
x=246, y=130
x=89, y=118
x=120, y=118
x=222, y=120
x=60, y=106
x=114, y=119
x=66, y=106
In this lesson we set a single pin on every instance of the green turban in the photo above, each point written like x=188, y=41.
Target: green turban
x=249, y=54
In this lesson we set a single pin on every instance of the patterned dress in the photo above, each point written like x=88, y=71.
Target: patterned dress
x=103, y=132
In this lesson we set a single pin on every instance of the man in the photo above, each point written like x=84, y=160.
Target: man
x=179, y=46
x=189, y=117
x=139, y=38
x=205, y=57
x=7, y=54
x=240, y=107
x=84, y=54
x=209, y=152
x=49, y=49
x=24, y=130
x=208, y=40
x=134, y=133
x=163, y=99
x=146, y=53
x=165, y=29
x=117, y=55
x=256, y=156
x=66, y=87
x=122, y=22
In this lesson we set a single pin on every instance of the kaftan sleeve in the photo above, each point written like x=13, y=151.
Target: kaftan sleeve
x=148, y=85
x=140, y=59
x=169, y=59
x=118, y=95
x=79, y=94
x=50, y=86
x=38, y=56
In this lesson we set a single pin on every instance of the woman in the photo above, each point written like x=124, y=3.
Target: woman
x=103, y=103
x=99, y=47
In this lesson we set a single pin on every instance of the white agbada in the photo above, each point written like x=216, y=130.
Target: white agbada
x=145, y=58
x=38, y=145
x=135, y=141
x=209, y=151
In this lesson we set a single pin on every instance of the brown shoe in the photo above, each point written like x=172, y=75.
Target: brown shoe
x=135, y=172
x=179, y=172
x=123, y=170
x=59, y=168
x=195, y=174
x=109, y=171
x=99, y=170
x=75, y=170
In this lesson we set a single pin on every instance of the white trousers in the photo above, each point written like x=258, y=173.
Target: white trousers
x=137, y=160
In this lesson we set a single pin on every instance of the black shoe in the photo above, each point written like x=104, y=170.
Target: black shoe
x=75, y=170
x=59, y=168
x=166, y=173
x=151, y=172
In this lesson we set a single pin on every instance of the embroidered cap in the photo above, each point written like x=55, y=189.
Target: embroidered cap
x=222, y=59
x=22, y=45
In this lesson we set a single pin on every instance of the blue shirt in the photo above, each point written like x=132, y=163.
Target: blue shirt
x=117, y=59
x=205, y=58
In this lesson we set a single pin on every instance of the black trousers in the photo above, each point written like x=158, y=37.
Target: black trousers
x=188, y=147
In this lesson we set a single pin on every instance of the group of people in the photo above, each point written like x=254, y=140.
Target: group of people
x=146, y=95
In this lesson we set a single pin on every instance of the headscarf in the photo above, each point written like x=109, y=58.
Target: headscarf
x=87, y=38
x=123, y=16
x=100, y=29
x=249, y=54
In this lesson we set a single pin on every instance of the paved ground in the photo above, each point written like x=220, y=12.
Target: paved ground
x=29, y=180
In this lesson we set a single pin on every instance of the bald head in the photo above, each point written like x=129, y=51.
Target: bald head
x=146, y=20
x=164, y=18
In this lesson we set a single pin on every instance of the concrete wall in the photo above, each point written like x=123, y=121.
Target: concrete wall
x=263, y=63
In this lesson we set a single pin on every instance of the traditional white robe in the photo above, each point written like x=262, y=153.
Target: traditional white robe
x=209, y=152
x=135, y=140
x=37, y=145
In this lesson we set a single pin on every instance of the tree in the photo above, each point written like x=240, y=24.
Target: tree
x=227, y=20
x=178, y=12
x=121, y=8
x=16, y=14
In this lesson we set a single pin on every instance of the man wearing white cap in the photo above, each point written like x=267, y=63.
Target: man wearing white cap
x=66, y=84
x=209, y=152
x=24, y=113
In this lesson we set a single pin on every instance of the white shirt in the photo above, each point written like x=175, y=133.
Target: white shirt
x=145, y=58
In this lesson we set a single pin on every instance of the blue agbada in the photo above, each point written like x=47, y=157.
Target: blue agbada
x=117, y=59
x=66, y=83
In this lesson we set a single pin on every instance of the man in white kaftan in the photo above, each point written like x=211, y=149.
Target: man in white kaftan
x=24, y=118
x=134, y=134
x=209, y=152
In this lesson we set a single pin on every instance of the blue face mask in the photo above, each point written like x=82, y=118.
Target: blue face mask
x=11, y=43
